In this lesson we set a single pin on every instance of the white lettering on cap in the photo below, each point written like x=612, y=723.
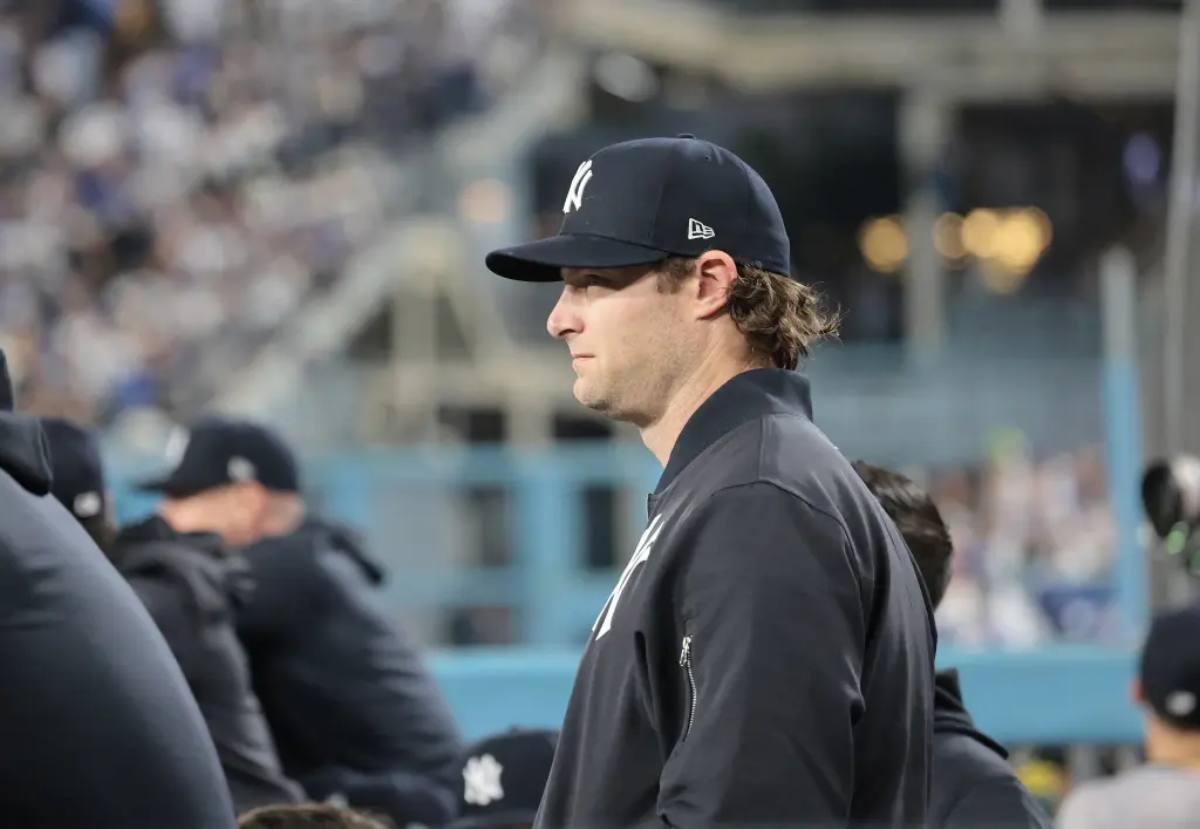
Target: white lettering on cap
x=575, y=193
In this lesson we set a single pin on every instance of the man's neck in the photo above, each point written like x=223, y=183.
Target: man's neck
x=1180, y=750
x=661, y=436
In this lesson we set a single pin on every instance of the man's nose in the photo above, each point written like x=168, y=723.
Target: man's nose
x=564, y=317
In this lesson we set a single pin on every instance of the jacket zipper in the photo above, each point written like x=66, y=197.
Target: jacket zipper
x=685, y=662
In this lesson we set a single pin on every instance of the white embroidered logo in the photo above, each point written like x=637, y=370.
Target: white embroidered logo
x=481, y=779
x=699, y=230
x=575, y=194
x=87, y=505
x=240, y=469
x=1180, y=703
x=640, y=555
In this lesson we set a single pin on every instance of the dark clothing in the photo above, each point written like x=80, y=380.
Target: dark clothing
x=348, y=697
x=191, y=586
x=973, y=784
x=97, y=727
x=767, y=655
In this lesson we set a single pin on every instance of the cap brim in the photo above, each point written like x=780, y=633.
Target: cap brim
x=543, y=260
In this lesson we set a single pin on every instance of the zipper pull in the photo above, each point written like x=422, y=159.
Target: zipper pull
x=685, y=655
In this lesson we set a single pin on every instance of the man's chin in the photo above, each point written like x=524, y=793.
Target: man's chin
x=588, y=397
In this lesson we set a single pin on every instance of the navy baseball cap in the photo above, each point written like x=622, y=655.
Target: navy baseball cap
x=504, y=777
x=222, y=451
x=1170, y=667
x=78, y=471
x=639, y=202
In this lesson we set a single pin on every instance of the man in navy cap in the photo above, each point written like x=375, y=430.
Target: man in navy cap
x=97, y=726
x=180, y=563
x=1164, y=793
x=350, y=702
x=353, y=706
x=767, y=655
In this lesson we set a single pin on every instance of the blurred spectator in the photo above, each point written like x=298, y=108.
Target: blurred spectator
x=180, y=565
x=503, y=777
x=308, y=816
x=1165, y=792
x=972, y=783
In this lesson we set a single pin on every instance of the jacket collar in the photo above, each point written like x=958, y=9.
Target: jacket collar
x=749, y=396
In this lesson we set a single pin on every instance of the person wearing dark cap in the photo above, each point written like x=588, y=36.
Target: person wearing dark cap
x=767, y=655
x=180, y=564
x=503, y=778
x=97, y=725
x=354, y=710
x=79, y=483
x=1164, y=793
x=973, y=784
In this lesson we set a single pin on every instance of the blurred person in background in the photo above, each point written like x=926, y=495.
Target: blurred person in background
x=973, y=784
x=354, y=710
x=97, y=725
x=1164, y=793
x=766, y=574
x=309, y=816
x=180, y=564
x=503, y=778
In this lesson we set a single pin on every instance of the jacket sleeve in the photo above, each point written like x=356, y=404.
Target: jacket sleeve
x=173, y=611
x=773, y=607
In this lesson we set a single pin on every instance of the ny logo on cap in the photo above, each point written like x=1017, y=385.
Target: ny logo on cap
x=575, y=194
x=481, y=781
x=699, y=230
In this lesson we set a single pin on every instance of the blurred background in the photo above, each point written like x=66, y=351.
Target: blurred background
x=279, y=208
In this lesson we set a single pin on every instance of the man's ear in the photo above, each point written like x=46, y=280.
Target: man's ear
x=1136, y=693
x=716, y=271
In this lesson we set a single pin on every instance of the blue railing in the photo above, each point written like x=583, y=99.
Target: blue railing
x=409, y=504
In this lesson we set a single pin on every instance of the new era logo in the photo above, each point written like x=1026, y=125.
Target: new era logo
x=699, y=230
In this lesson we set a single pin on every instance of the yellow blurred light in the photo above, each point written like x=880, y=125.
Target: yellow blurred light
x=1044, y=225
x=486, y=201
x=979, y=231
x=1018, y=241
x=1001, y=279
x=947, y=236
x=883, y=244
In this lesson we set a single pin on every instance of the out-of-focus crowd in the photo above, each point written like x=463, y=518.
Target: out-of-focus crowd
x=177, y=174
x=1033, y=540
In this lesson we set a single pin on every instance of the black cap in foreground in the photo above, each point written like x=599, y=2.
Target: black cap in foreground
x=639, y=202
x=222, y=451
x=1170, y=667
x=504, y=778
x=78, y=469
